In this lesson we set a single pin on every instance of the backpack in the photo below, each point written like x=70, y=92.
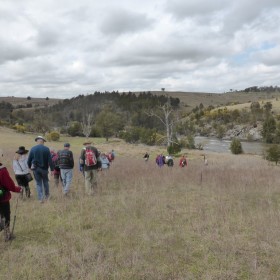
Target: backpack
x=55, y=162
x=170, y=162
x=90, y=157
x=2, y=192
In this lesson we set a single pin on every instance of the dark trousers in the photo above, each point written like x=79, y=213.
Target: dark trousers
x=5, y=212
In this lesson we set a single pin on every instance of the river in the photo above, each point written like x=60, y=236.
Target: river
x=223, y=146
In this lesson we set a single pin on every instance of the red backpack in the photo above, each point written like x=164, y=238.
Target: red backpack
x=90, y=157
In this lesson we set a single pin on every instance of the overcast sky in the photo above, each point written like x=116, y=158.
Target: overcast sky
x=63, y=48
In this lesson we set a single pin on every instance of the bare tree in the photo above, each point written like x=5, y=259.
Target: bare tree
x=87, y=124
x=167, y=120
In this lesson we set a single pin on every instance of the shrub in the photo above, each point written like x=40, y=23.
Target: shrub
x=236, y=147
x=53, y=136
x=19, y=128
x=273, y=153
x=173, y=149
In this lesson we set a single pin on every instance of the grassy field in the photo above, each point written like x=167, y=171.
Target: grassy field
x=219, y=221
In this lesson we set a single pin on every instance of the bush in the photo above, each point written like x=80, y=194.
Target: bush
x=19, y=128
x=53, y=136
x=273, y=153
x=236, y=147
x=174, y=148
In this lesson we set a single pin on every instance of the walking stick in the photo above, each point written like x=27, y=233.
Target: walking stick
x=14, y=222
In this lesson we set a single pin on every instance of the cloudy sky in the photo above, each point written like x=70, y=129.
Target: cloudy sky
x=64, y=48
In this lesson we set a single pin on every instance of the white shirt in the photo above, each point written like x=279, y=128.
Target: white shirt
x=20, y=166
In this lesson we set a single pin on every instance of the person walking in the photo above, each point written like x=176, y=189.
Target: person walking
x=169, y=161
x=7, y=186
x=160, y=160
x=91, y=164
x=146, y=156
x=66, y=164
x=183, y=161
x=20, y=168
x=40, y=160
x=56, y=171
x=105, y=164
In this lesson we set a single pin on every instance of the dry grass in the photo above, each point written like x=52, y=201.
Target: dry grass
x=219, y=221
x=275, y=105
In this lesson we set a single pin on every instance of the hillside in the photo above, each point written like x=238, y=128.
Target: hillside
x=188, y=99
x=193, y=99
x=36, y=102
x=127, y=115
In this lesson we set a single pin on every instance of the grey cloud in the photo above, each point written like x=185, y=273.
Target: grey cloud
x=68, y=47
x=123, y=21
x=47, y=36
x=12, y=51
x=191, y=8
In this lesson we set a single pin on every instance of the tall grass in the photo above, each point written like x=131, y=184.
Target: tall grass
x=219, y=221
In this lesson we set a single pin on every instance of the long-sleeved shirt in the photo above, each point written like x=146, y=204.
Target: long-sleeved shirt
x=8, y=184
x=65, y=159
x=40, y=155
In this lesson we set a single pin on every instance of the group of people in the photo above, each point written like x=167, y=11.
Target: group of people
x=168, y=160
x=40, y=159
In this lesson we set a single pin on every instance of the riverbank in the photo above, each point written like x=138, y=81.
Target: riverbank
x=212, y=144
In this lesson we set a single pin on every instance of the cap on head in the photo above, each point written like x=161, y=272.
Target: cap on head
x=40, y=138
x=66, y=145
x=21, y=150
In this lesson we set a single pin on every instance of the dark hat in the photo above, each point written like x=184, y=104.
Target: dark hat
x=21, y=150
x=67, y=145
x=40, y=137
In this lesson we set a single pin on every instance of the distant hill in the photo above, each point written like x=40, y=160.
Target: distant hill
x=36, y=102
x=188, y=99
x=193, y=99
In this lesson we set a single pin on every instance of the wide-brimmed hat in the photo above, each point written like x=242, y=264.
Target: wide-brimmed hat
x=40, y=137
x=87, y=143
x=21, y=150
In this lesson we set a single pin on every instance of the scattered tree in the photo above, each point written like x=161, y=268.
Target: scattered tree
x=87, y=124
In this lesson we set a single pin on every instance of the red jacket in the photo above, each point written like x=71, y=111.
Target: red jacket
x=183, y=162
x=9, y=185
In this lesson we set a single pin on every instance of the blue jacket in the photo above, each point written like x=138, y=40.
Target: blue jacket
x=40, y=155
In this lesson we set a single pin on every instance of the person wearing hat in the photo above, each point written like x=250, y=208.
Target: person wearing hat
x=21, y=169
x=40, y=160
x=7, y=186
x=66, y=164
x=91, y=163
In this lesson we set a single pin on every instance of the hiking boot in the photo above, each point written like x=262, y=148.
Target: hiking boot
x=2, y=222
x=8, y=235
x=27, y=192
